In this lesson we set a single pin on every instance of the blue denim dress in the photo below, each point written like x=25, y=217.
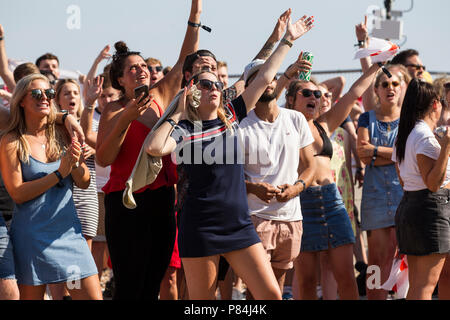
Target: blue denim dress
x=46, y=233
x=382, y=191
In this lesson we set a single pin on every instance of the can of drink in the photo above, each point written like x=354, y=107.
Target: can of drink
x=306, y=76
x=441, y=131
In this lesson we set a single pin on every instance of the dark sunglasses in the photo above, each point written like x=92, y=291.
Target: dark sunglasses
x=447, y=85
x=38, y=93
x=416, y=66
x=207, y=84
x=157, y=69
x=307, y=93
x=386, y=84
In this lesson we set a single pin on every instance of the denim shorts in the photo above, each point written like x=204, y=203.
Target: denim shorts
x=6, y=252
x=423, y=222
x=325, y=220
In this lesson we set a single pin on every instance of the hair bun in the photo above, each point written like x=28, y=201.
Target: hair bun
x=121, y=47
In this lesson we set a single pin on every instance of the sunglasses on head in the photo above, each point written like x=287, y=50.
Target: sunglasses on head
x=416, y=66
x=157, y=69
x=38, y=93
x=307, y=93
x=386, y=84
x=207, y=84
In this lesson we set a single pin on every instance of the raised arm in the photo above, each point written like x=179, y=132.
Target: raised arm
x=5, y=73
x=292, y=72
x=167, y=88
x=92, y=89
x=362, y=35
x=269, y=70
x=342, y=108
x=335, y=86
x=266, y=50
x=104, y=54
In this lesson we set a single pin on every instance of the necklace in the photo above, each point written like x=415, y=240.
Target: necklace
x=43, y=145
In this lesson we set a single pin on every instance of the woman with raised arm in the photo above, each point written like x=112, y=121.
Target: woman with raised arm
x=326, y=225
x=422, y=218
x=38, y=166
x=214, y=219
x=140, y=241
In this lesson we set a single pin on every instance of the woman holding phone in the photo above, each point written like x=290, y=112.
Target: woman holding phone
x=140, y=241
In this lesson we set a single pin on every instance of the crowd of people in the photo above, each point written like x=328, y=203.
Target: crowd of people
x=192, y=188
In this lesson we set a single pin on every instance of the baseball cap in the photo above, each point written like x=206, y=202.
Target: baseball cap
x=252, y=68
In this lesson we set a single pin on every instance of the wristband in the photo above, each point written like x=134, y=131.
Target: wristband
x=199, y=25
x=302, y=182
x=386, y=71
x=360, y=43
x=90, y=108
x=284, y=74
x=374, y=157
x=64, y=117
x=172, y=123
x=286, y=42
x=60, y=178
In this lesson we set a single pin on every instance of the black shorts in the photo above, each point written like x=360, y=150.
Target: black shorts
x=423, y=222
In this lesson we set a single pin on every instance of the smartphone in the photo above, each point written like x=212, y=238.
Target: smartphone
x=139, y=90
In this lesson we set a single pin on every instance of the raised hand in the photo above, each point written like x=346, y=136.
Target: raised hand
x=93, y=90
x=299, y=28
x=280, y=27
x=362, y=33
x=104, y=54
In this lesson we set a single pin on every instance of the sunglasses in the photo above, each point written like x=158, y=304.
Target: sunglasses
x=157, y=69
x=307, y=93
x=208, y=84
x=416, y=66
x=386, y=84
x=38, y=94
x=327, y=94
x=447, y=85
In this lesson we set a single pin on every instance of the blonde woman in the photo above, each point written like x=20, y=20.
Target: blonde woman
x=38, y=166
x=214, y=219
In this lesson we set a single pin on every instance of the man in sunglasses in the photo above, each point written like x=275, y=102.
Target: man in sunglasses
x=410, y=59
x=156, y=70
x=279, y=165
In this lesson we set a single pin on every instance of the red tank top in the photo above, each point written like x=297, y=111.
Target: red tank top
x=123, y=165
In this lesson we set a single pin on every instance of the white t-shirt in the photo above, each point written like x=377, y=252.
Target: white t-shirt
x=272, y=152
x=421, y=140
x=101, y=173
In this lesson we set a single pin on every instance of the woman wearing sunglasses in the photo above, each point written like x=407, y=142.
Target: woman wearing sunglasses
x=39, y=165
x=326, y=225
x=382, y=192
x=423, y=216
x=214, y=219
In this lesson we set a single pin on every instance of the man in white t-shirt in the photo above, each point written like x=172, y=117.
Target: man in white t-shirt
x=279, y=165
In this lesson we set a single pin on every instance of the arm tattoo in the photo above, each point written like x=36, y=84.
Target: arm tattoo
x=266, y=51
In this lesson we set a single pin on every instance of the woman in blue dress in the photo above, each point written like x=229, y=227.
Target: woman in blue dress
x=382, y=192
x=39, y=166
x=214, y=219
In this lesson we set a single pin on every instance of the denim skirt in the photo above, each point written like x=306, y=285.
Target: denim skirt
x=6, y=252
x=325, y=220
x=423, y=222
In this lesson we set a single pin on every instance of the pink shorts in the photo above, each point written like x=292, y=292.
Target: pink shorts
x=281, y=239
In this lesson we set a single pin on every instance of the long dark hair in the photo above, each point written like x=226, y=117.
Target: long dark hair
x=418, y=100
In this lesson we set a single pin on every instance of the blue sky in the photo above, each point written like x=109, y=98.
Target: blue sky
x=240, y=28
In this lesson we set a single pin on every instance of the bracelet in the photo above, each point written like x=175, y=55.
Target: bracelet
x=374, y=156
x=284, y=74
x=199, y=25
x=90, y=108
x=172, y=123
x=360, y=43
x=301, y=181
x=60, y=178
x=383, y=68
x=286, y=42
x=64, y=117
